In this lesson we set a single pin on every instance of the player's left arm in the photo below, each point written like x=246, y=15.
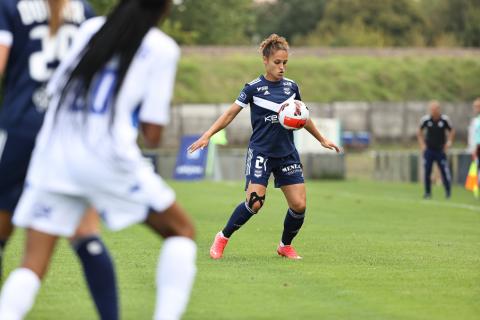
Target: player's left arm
x=312, y=129
x=450, y=135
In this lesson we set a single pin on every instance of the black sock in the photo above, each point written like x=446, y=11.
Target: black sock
x=292, y=224
x=100, y=275
x=239, y=217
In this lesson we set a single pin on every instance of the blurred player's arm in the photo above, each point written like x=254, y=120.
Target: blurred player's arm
x=152, y=134
x=222, y=122
x=4, y=51
x=312, y=129
x=450, y=137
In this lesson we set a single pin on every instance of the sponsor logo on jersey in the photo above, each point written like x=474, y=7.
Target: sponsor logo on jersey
x=292, y=169
x=286, y=83
x=273, y=118
x=40, y=99
x=429, y=123
x=440, y=124
x=263, y=88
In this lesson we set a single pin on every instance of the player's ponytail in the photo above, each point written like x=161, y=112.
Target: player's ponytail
x=56, y=14
x=119, y=37
x=273, y=43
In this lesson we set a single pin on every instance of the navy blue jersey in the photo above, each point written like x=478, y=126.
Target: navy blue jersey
x=34, y=54
x=265, y=99
x=435, y=131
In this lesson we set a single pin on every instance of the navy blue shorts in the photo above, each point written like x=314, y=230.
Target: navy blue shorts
x=15, y=153
x=286, y=170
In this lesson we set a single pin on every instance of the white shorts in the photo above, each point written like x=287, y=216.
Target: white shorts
x=59, y=214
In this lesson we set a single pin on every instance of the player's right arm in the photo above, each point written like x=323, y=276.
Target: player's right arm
x=420, y=135
x=244, y=99
x=6, y=35
x=222, y=122
x=4, y=51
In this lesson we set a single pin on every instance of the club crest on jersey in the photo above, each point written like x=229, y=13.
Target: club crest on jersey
x=243, y=96
x=287, y=91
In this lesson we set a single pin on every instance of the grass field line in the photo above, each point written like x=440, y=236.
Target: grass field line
x=450, y=204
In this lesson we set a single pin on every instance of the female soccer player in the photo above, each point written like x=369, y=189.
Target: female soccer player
x=119, y=70
x=271, y=148
x=34, y=37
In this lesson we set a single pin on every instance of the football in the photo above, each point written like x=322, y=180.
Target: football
x=293, y=115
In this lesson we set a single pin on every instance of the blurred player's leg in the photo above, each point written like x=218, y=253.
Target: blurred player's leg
x=97, y=265
x=6, y=228
x=427, y=168
x=296, y=199
x=445, y=173
x=19, y=291
x=176, y=267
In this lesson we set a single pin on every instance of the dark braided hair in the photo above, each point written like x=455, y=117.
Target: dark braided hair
x=119, y=37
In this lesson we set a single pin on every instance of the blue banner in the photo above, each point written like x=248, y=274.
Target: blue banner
x=190, y=166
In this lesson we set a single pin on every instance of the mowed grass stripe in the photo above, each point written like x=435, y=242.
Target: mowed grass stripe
x=371, y=251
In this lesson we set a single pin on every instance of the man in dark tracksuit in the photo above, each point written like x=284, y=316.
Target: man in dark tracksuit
x=435, y=136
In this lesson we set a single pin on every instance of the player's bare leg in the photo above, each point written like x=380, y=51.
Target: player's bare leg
x=176, y=267
x=6, y=229
x=296, y=199
x=255, y=198
x=20, y=289
x=98, y=267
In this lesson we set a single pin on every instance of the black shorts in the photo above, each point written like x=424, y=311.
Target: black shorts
x=15, y=153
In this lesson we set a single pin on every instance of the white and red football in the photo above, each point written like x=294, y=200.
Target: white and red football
x=293, y=115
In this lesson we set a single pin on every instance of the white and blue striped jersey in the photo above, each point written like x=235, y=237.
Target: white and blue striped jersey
x=265, y=99
x=100, y=146
x=34, y=55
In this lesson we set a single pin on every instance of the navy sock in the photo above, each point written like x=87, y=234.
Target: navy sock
x=292, y=224
x=239, y=217
x=3, y=243
x=100, y=275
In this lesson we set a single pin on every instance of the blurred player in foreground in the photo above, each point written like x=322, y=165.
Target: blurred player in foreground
x=34, y=37
x=119, y=70
x=271, y=148
x=474, y=142
x=435, y=135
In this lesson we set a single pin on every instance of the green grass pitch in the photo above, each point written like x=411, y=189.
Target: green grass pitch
x=371, y=251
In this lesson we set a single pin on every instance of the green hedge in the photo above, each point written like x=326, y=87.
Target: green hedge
x=218, y=79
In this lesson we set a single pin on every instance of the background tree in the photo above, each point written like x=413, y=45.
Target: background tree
x=377, y=23
x=211, y=22
x=289, y=18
